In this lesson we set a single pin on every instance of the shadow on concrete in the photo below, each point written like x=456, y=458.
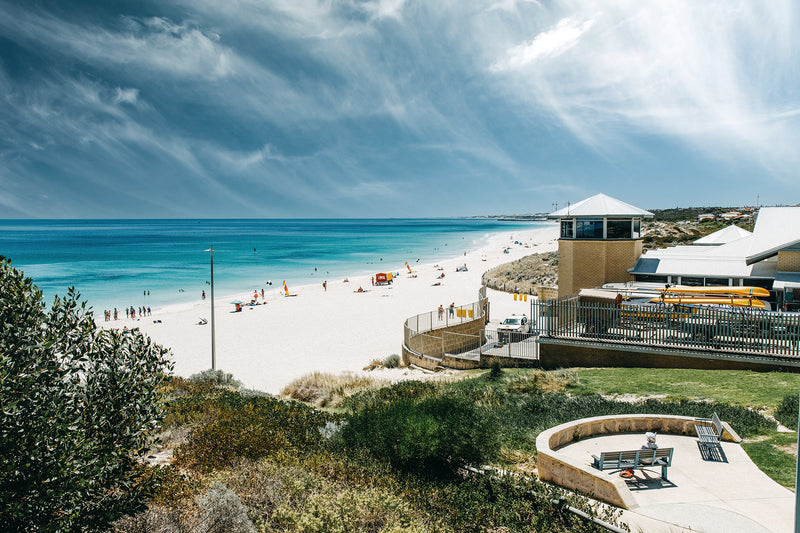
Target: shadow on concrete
x=644, y=480
x=712, y=453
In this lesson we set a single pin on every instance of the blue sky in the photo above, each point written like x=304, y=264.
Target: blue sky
x=392, y=108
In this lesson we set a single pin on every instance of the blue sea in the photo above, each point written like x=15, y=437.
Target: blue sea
x=119, y=263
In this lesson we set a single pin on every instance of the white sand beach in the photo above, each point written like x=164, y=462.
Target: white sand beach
x=267, y=346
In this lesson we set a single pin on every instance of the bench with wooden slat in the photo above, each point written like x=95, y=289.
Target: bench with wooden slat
x=709, y=431
x=630, y=459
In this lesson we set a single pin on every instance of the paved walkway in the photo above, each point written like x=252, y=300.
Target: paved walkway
x=727, y=495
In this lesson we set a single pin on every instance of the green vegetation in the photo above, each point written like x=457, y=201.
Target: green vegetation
x=421, y=429
x=390, y=463
x=738, y=387
x=389, y=458
x=775, y=455
x=787, y=411
x=79, y=406
x=216, y=378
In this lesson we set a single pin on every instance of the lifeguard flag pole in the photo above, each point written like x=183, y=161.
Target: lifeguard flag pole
x=213, y=343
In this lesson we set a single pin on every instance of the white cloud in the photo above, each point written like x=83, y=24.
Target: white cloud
x=547, y=44
x=127, y=96
x=713, y=75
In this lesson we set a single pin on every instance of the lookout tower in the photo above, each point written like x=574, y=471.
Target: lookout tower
x=600, y=240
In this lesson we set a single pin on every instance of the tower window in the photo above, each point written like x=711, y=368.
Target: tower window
x=619, y=229
x=566, y=228
x=589, y=229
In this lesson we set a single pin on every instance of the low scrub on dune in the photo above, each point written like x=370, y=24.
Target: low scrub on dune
x=323, y=389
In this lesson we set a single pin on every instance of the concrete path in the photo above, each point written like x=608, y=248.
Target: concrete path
x=728, y=495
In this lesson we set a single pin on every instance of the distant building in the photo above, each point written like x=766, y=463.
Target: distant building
x=600, y=239
x=705, y=217
x=768, y=257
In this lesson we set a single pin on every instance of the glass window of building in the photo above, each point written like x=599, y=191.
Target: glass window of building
x=566, y=228
x=637, y=228
x=655, y=278
x=619, y=229
x=716, y=281
x=589, y=229
x=691, y=281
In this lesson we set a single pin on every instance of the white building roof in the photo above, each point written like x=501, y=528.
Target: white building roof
x=723, y=236
x=750, y=256
x=600, y=205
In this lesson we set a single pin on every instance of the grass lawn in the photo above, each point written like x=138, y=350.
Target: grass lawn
x=774, y=456
x=738, y=387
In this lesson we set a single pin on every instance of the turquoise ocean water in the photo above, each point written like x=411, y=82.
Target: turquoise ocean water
x=119, y=263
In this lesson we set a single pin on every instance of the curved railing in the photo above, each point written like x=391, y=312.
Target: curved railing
x=424, y=334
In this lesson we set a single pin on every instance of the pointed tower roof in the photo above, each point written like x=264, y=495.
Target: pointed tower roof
x=601, y=205
x=723, y=236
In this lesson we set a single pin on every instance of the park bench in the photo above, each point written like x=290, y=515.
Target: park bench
x=630, y=459
x=709, y=431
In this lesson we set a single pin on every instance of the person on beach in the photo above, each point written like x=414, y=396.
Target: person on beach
x=441, y=312
x=650, y=443
x=373, y=280
x=204, y=295
x=325, y=285
x=262, y=294
x=452, y=309
x=149, y=313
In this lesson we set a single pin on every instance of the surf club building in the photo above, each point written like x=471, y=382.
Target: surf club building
x=600, y=243
x=769, y=257
x=600, y=239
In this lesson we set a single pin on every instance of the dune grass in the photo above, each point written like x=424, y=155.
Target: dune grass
x=323, y=389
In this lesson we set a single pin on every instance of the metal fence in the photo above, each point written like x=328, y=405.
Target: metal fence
x=735, y=330
x=444, y=317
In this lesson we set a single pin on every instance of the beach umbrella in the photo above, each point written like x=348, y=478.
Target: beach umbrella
x=237, y=302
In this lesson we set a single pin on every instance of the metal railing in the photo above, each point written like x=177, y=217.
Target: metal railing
x=719, y=329
x=445, y=317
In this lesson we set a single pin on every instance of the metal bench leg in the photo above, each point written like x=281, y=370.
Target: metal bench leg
x=664, y=472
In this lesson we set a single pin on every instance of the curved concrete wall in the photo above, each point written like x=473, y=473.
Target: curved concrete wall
x=560, y=470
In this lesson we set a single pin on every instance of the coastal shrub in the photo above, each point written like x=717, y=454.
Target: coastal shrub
x=250, y=427
x=548, y=410
x=403, y=390
x=393, y=361
x=80, y=406
x=476, y=504
x=216, y=378
x=432, y=435
x=155, y=519
x=787, y=411
x=496, y=372
x=221, y=511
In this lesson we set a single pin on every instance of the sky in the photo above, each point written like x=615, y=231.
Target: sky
x=394, y=108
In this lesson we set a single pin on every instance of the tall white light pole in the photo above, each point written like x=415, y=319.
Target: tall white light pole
x=213, y=343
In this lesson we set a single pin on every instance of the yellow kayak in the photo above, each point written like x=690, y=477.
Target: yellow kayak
x=689, y=300
x=758, y=292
